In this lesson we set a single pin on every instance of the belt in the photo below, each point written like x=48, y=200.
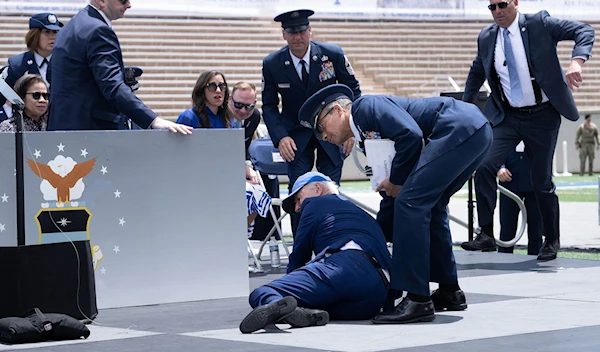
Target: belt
x=381, y=271
x=530, y=109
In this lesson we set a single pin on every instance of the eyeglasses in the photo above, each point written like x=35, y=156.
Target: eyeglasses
x=248, y=107
x=501, y=5
x=319, y=126
x=38, y=95
x=212, y=86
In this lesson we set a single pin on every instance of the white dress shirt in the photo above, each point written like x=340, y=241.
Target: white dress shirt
x=39, y=59
x=298, y=66
x=522, y=68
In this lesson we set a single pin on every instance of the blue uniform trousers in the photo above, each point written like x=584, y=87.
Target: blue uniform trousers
x=422, y=241
x=346, y=284
x=304, y=163
x=539, y=132
x=509, y=215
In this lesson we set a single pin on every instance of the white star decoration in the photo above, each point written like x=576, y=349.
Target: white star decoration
x=122, y=221
x=116, y=249
x=64, y=222
x=37, y=154
x=4, y=198
x=61, y=147
x=2, y=227
x=103, y=271
x=84, y=153
x=103, y=170
x=117, y=194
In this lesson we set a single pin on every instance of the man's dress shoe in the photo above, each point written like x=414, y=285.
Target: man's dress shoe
x=449, y=301
x=482, y=242
x=305, y=317
x=270, y=313
x=407, y=311
x=549, y=250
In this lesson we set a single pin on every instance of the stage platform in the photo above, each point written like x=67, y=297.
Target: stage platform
x=516, y=303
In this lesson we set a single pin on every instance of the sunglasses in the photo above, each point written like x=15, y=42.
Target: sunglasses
x=123, y=2
x=501, y=5
x=248, y=107
x=38, y=95
x=212, y=86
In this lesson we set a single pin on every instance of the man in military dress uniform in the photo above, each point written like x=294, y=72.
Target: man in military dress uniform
x=439, y=142
x=295, y=72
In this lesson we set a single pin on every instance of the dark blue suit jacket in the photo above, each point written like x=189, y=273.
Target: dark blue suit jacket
x=88, y=89
x=443, y=123
x=280, y=76
x=518, y=165
x=540, y=33
x=328, y=223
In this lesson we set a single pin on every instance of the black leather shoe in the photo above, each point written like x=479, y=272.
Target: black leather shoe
x=449, y=301
x=305, y=317
x=549, y=250
x=268, y=314
x=482, y=242
x=407, y=311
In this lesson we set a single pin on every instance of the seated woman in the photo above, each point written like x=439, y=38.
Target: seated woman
x=210, y=110
x=34, y=92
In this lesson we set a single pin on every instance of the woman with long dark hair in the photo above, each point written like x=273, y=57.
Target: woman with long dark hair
x=209, y=103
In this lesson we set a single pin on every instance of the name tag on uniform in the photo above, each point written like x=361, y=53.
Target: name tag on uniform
x=283, y=85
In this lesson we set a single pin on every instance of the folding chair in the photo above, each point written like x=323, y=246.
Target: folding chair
x=266, y=160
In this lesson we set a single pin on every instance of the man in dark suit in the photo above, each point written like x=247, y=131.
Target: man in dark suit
x=346, y=280
x=517, y=55
x=439, y=142
x=515, y=175
x=295, y=72
x=88, y=89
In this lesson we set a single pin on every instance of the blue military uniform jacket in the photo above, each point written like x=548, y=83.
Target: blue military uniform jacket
x=328, y=65
x=519, y=166
x=327, y=223
x=89, y=90
x=18, y=65
x=441, y=123
x=540, y=33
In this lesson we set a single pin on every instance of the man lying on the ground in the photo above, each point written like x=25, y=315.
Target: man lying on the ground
x=347, y=279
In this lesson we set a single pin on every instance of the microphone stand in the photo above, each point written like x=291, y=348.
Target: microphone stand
x=18, y=116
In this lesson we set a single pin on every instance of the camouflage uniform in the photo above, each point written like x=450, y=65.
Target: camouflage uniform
x=585, y=139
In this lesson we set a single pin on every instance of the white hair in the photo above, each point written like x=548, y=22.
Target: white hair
x=329, y=186
x=343, y=102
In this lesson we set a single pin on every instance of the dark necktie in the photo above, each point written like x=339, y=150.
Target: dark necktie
x=45, y=62
x=304, y=73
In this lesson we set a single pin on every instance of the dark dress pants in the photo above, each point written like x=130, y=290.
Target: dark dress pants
x=539, y=132
x=422, y=240
x=509, y=216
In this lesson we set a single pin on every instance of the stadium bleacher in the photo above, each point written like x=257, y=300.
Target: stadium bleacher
x=403, y=58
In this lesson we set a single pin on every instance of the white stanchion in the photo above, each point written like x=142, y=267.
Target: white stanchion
x=565, y=167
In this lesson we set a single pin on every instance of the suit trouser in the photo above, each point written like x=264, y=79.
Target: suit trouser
x=539, y=132
x=305, y=162
x=509, y=216
x=422, y=241
x=586, y=150
x=346, y=284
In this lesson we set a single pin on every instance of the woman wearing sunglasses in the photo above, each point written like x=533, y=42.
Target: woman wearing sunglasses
x=34, y=92
x=209, y=103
